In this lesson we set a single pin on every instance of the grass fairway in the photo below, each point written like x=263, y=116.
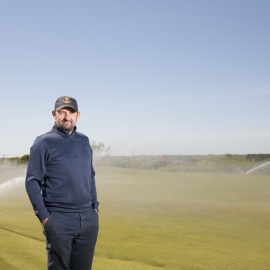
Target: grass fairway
x=187, y=221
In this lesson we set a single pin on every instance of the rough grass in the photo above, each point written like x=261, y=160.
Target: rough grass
x=185, y=221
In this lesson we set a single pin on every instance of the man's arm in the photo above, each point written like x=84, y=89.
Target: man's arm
x=93, y=186
x=36, y=171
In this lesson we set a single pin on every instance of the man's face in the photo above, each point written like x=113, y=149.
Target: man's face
x=66, y=118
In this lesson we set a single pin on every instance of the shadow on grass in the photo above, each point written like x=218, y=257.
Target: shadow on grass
x=21, y=234
x=156, y=264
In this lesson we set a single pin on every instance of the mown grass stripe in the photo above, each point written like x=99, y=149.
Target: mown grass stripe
x=21, y=252
x=4, y=265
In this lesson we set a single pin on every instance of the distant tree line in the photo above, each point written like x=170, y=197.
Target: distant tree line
x=22, y=159
x=199, y=163
x=258, y=157
x=98, y=147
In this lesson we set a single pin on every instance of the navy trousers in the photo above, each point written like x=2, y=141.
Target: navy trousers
x=71, y=240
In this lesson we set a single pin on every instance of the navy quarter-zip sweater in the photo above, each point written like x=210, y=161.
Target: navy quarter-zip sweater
x=60, y=175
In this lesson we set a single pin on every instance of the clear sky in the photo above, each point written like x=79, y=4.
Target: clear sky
x=157, y=76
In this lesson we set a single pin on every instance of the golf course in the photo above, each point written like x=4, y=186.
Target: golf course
x=152, y=220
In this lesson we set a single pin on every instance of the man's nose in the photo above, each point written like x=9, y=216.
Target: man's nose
x=67, y=115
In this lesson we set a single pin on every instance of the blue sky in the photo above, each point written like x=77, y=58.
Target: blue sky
x=160, y=77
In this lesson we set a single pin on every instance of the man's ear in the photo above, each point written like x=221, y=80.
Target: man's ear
x=53, y=114
x=78, y=115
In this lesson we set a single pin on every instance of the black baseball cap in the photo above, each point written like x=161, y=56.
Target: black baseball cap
x=66, y=101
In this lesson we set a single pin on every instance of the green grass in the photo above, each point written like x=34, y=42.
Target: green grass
x=187, y=221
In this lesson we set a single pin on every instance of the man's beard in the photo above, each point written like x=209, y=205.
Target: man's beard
x=66, y=125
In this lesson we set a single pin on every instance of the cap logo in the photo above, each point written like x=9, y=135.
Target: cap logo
x=66, y=100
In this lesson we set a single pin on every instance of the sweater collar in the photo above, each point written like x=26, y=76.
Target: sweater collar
x=62, y=131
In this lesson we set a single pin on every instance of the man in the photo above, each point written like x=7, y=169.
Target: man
x=60, y=182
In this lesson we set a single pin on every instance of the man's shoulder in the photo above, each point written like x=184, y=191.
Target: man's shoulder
x=81, y=135
x=47, y=138
x=46, y=135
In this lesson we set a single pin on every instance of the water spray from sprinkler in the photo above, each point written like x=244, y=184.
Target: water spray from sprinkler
x=251, y=170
